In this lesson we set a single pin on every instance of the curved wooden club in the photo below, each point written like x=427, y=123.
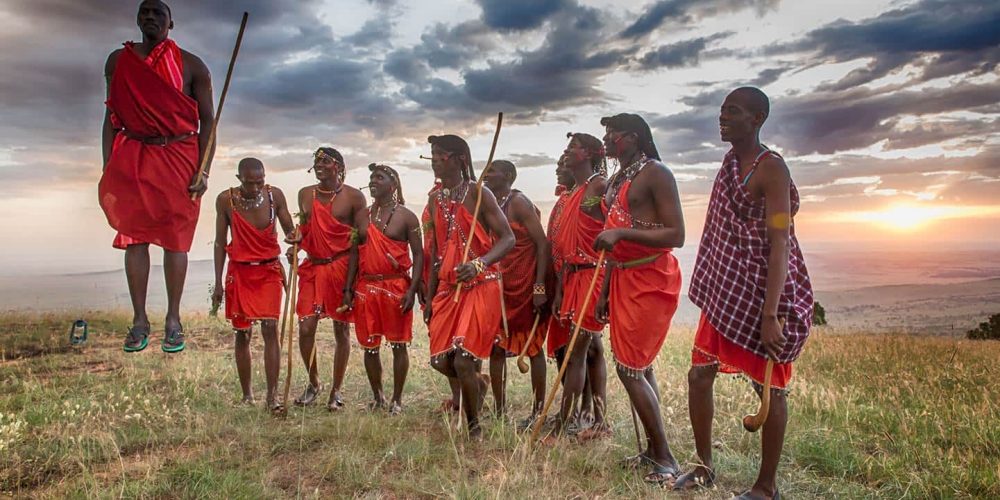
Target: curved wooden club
x=569, y=351
x=522, y=365
x=753, y=422
x=222, y=102
x=289, y=312
x=479, y=201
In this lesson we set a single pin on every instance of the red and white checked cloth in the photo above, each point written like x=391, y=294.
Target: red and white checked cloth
x=730, y=273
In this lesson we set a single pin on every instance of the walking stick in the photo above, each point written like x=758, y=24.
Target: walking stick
x=289, y=311
x=753, y=422
x=522, y=365
x=569, y=352
x=222, y=102
x=503, y=310
x=479, y=201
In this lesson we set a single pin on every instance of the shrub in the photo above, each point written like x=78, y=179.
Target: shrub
x=989, y=330
x=819, y=315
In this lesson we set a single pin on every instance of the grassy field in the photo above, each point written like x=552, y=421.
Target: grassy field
x=871, y=417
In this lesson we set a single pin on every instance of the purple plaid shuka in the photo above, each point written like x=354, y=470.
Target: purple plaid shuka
x=730, y=273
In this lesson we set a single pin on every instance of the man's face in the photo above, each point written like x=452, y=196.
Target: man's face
x=380, y=184
x=617, y=141
x=575, y=153
x=495, y=179
x=325, y=167
x=251, y=181
x=735, y=118
x=154, y=20
x=444, y=162
x=563, y=176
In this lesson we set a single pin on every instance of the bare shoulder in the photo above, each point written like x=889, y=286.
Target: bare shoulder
x=355, y=195
x=278, y=194
x=198, y=67
x=112, y=62
x=410, y=218
x=773, y=167
x=655, y=173
x=597, y=186
x=521, y=206
x=222, y=201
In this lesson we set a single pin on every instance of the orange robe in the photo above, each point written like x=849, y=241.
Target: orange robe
x=518, y=268
x=143, y=189
x=383, y=280
x=643, y=297
x=254, y=278
x=323, y=275
x=470, y=324
x=556, y=333
x=573, y=246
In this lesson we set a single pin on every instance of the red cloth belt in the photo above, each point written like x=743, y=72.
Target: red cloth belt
x=257, y=262
x=156, y=140
x=383, y=277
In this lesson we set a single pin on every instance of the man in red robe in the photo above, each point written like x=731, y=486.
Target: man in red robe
x=156, y=127
x=385, y=291
x=335, y=222
x=255, y=279
x=579, y=222
x=523, y=270
x=463, y=331
x=751, y=283
x=644, y=223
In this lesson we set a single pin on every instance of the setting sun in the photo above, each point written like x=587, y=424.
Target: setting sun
x=910, y=217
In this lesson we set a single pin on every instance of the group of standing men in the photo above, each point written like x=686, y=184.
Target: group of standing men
x=492, y=285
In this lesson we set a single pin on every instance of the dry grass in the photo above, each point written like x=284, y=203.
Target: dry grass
x=872, y=416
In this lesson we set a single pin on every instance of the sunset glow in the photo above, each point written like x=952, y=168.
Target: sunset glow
x=911, y=217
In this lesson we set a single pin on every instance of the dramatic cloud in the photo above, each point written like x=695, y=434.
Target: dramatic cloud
x=687, y=11
x=686, y=53
x=518, y=14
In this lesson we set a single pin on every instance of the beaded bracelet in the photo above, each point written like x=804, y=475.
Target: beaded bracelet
x=539, y=289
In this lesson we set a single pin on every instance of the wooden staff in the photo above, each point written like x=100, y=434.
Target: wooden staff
x=479, y=201
x=222, y=102
x=522, y=365
x=289, y=311
x=569, y=352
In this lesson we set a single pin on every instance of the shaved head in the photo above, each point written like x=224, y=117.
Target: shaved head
x=506, y=168
x=754, y=99
x=250, y=165
x=157, y=2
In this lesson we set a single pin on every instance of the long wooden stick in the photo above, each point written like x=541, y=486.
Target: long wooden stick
x=753, y=422
x=503, y=312
x=522, y=365
x=479, y=201
x=569, y=352
x=289, y=312
x=222, y=102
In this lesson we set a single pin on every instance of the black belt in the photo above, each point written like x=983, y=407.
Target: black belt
x=573, y=268
x=157, y=140
x=383, y=277
x=323, y=262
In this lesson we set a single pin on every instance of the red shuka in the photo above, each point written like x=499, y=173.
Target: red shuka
x=143, y=190
x=471, y=324
x=254, y=278
x=383, y=280
x=321, y=285
x=642, y=299
x=572, y=245
x=518, y=268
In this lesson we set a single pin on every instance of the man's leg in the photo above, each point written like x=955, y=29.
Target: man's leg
x=341, y=355
x=272, y=359
x=307, y=344
x=137, y=275
x=467, y=368
x=174, y=271
x=701, y=408
x=538, y=382
x=498, y=362
x=772, y=440
x=243, y=362
x=597, y=377
x=575, y=375
x=373, y=367
x=647, y=407
x=400, y=367
x=446, y=366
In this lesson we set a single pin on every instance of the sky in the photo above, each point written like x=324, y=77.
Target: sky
x=885, y=111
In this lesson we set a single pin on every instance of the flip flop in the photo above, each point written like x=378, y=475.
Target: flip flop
x=335, y=404
x=661, y=474
x=308, y=396
x=693, y=480
x=173, y=341
x=395, y=409
x=137, y=339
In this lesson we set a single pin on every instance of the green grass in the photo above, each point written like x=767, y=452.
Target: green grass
x=871, y=417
